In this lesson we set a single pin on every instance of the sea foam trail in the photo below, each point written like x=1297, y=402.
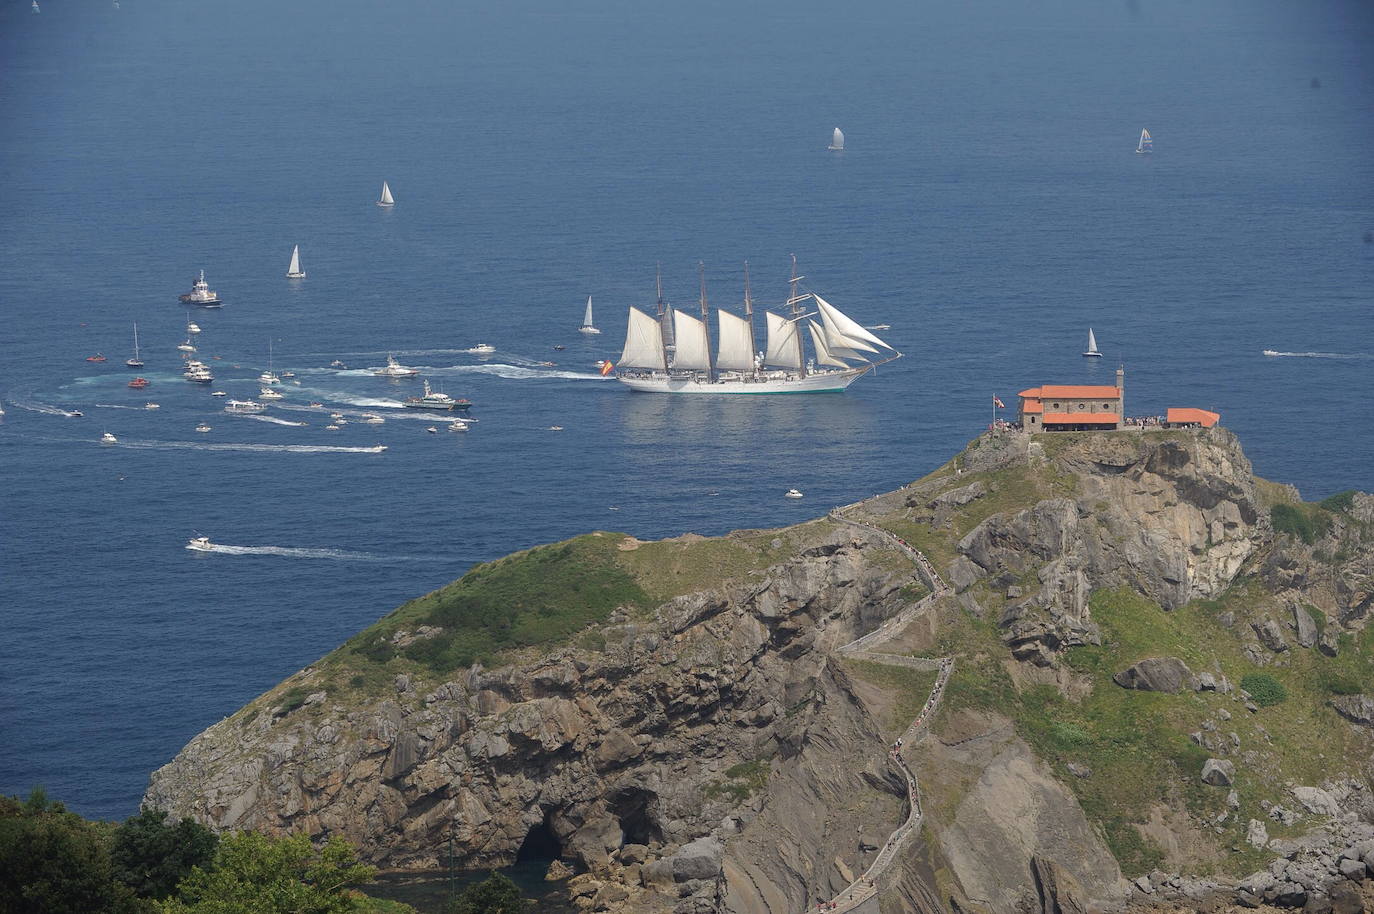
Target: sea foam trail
x=295, y=553
x=264, y=448
x=518, y=372
x=44, y=408
x=273, y=419
x=1320, y=355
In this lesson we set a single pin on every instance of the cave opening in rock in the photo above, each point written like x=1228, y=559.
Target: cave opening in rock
x=540, y=844
x=637, y=810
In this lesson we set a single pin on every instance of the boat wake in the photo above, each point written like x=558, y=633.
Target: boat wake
x=263, y=448
x=117, y=406
x=295, y=553
x=518, y=372
x=273, y=419
x=1319, y=355
x=46, y=409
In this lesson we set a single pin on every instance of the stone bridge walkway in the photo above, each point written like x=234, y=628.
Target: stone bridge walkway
x=865, y=887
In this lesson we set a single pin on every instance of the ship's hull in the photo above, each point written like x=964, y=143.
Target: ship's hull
x=439, y=407
x=204, y=303
x=823, y=382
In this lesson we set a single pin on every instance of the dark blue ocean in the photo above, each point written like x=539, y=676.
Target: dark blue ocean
x=989, y=206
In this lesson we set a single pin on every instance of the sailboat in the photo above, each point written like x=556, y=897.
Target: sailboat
x=736, y=368
x=294, y=271
x=1092, y=352
x=1146, y=145
x=386, y=196
x=836, y=141
x=269, y=376
x=587, y=326
x=135, y=362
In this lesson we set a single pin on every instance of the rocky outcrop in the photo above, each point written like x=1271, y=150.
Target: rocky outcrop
x=1156, y=674
x=1357, y=709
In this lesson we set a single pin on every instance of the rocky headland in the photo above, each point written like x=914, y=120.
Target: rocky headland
x=1142, y=677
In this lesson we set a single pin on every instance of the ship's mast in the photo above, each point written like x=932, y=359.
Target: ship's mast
x=749, y=317
x=795, y=301
x=705, y=319
x=665, y=325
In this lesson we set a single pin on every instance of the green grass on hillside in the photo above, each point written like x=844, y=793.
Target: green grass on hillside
x=909, y=689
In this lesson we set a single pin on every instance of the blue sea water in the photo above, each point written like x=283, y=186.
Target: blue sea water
x=989, y=206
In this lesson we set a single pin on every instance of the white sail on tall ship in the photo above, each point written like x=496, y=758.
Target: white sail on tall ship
x=386, y=199
x=836, y=141
x=838, y=342
x=294, y=271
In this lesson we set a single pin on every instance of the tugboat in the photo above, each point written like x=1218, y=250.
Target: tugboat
x=201, y=294
x=434, y=400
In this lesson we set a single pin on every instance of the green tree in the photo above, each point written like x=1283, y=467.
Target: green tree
x=493, y=895
x=151, y=856
x=52, y=860
x=255, y=874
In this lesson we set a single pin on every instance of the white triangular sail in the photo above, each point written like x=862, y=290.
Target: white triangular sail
x=294, y=271
x=692, y=353
x=823, y=354
x=733, y=349
x=1092, y=341
x=587, y=317
x=837, y=139
x=386, y=196
x=643, y=343
x=838, y=324
x=784, y=345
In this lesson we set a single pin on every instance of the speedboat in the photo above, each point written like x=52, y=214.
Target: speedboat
x=289, y=374
x=186, y=347
x=218, y=393
x=372, y=419
x=107, y=438
x=267, y=393
x=432, y=399
x=559, y=348
x=192, y=328
x=336, y=416
x=432, y=430
x=331, y=428
x=547, y=364
x=151, y=405
x=395, y=369
x=555, y=428
x=201, y=294
x=139, y=383
x=316, y=404
x=457, y=425
x=268, y=377
x=95, y=358
x=203, y=427
x=337, y=364
x=483, y=348
x=200, y=544
x=75, y=414
x=244, y=406
x=792, y=493
x=1271, y=352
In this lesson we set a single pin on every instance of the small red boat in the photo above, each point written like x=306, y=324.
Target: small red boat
x=138, y=383
x=95, y=358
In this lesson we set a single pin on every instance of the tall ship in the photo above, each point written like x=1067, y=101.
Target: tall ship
x=201, y=294
x=841, y=349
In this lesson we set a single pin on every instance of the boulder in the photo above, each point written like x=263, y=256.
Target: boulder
x=634, y=853
x=698, y=860
x=1256, y=835
x=1357, y=709
x=1346, y=898
x=1330, y=644
x=1305, y=626
x=557, y=871
x=1317, y=801
x=1353, y=869
x=1205, y=682
x=1270, y=635
x=1155, y=674
x=1218, y=772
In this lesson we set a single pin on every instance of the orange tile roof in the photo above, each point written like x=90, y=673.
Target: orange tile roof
x=1032, y=392
x=1081, y=419
x=1032, y=406
x=1070, y=391
x=1203, y=417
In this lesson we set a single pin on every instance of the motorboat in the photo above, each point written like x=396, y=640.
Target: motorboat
x=151, y=405
x=331, y=428
x=548, y=364
x=457, y=425
x=289, y=374
x=395, y=369
x=203, y=427
x=139, y=383
x=432, y=430
x=244, y=407
x=107, y=438
x=316, y=404
x=198, y=372
x=201, y=294
x=372, y=419
x=95, y=358
x=336, y=416
x=1270, y=352
x=340, y=421
x=267, y=393
x=186, y=347
x=559, y=348
x=483, y=349
x=555, y=428
x=792, y=493
x=218, y=393
x=75, y=414
x=192, y=327
x=200, y=544
x=337, y=364
x=433, y=399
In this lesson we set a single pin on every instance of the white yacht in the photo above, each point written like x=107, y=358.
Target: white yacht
x=198, y=372
x=186, y=347
x=331, y=428
x=200, y=544
x=267, y=393
x=457, y=425
x=107, y=438
x=203, y=427
x=372, y=419
x=294, y=271
x=433, y=399
x=192, y=327
x=792, y=493
x=386, y=199
x=244, y=407
x=201, y=294
x=395, y=369
x=587, y=326
x=152, y=405
x=483, y=349
x=218, y=393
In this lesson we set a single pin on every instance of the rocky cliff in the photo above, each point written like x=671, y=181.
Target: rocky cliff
x=693, y=740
